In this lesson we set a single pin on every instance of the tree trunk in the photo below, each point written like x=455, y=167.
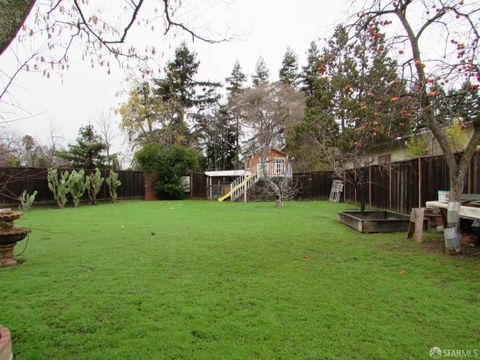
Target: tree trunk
x=276, y=190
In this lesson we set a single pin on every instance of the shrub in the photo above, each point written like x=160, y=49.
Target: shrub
x=418, y=145
x=169, y=165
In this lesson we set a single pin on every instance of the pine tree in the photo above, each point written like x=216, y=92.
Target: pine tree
x=288, y=73
x=219, y=139
x=309, y=73
x=235, y=82
x=262, y=73
x=88, y=151
x=235, y=86
x=181, y=91
x=178, y=85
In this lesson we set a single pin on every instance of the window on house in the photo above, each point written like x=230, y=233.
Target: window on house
x=279, y=166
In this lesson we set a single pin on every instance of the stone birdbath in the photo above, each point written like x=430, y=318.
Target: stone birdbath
x=9, y=236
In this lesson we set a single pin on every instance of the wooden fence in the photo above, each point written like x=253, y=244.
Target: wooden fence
x=404, y=185
x=399, y=186
x=14, y=180
x=198, y=186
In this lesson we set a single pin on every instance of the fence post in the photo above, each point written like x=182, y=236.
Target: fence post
x=311, y=185
x=191, y=185
x=355, y=190
x=420, y=182
x=370, y=185
x=470, y=190
x=390, y=186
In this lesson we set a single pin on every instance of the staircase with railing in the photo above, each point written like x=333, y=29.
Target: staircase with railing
x=239, y=187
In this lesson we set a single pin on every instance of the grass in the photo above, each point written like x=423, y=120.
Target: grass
x=203, y=280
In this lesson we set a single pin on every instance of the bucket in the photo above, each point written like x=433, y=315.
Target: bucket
x=453, y=210
x=443, y=195
x=452, y=239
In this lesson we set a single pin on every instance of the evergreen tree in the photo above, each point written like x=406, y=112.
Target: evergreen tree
x=220, y=140
x=309, y=71
x=464, y=103
x=354, y=103
x=288, y=73
x=181, y=91
x=236, y=80
x=88, y=151
x=262, y=73
x=235, y=86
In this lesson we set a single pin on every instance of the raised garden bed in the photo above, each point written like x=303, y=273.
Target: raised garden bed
x=374, y=221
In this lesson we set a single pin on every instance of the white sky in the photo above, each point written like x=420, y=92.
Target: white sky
x=269, y=26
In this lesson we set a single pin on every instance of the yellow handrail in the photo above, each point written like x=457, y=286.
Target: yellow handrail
x=228, y=194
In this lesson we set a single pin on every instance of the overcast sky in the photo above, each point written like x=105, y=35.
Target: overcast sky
x=265, y=28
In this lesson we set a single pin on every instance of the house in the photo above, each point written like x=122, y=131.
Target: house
x=418, y=145
x=276, y=164
x=271, y=163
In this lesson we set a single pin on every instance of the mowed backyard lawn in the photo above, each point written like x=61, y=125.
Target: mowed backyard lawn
x=208, y=280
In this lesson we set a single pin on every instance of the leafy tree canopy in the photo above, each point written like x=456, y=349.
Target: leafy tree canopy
x=169, y=165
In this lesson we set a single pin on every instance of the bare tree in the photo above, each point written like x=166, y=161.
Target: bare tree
x=10, y=147
x=439, y=42
x=285, y=188
x=42, y=33
x=271, y=110
x=54, y=144
x=106, y=127
x=349, y=165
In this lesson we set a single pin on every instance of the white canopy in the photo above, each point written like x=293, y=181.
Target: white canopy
x=226, y=173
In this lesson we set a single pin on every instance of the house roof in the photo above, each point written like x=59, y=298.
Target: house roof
x=272, y=150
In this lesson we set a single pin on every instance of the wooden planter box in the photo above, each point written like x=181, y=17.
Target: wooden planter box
x=374, y=221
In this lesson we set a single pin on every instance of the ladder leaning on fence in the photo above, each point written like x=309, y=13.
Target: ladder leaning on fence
x=336, y=191
x=239, y=187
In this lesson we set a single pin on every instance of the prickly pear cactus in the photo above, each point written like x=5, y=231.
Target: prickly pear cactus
x=26, y=200
x=59, y=187
x=78, y=184
x=113, y=184
x=95, y=180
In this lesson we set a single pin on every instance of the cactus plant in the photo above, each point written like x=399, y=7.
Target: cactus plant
x=60, y=188
x=26, y=200
x=113, y=183
x=95, y=180
x=78, y=184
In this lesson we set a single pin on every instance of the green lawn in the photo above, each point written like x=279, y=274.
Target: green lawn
x=208, y=280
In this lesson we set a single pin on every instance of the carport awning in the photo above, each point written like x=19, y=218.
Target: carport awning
x=226, y=173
